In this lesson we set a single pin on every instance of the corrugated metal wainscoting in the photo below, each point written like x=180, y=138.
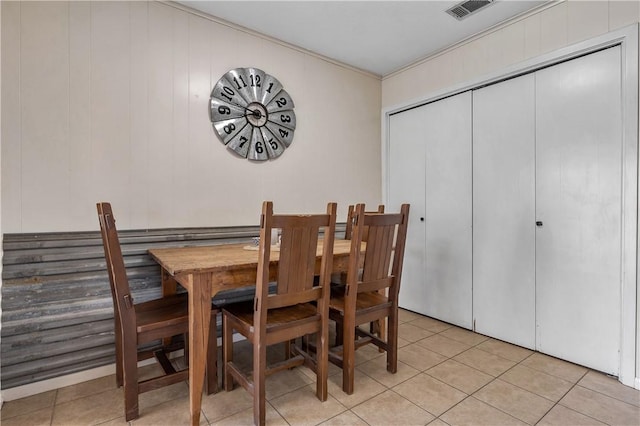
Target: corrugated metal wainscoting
x=57, y=313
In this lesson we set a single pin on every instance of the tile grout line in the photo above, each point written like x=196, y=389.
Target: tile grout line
x=473, y=368
x=501, y=374
x=565, y=394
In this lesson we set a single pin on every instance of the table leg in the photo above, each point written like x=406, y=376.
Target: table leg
x=199, y=323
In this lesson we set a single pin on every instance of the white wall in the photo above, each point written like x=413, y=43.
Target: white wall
x=551, y=28
x=107, y=101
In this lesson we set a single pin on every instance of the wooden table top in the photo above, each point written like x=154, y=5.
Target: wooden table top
x=188, y=260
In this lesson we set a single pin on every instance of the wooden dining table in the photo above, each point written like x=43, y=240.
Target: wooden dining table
x=204, y=271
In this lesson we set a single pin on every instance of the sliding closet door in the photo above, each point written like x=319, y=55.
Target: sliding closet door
x=430, y=167
x=504, y=210
x=448, y=216
x=407, y=132
x=578, y=195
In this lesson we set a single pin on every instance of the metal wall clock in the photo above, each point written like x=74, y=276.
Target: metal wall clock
x=252, y=114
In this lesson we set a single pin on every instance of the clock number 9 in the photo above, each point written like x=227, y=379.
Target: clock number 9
x=224, y=110
x=229, y=128
x=259, y=148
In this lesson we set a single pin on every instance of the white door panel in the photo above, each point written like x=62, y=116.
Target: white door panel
x=406, y=185
x=430, y=167
x=578, y=193
x=448, y=216
x=504, y=211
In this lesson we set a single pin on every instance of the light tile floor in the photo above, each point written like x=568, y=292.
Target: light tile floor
x=446, y=375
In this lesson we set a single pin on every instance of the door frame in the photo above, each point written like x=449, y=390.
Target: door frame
x=627, y=39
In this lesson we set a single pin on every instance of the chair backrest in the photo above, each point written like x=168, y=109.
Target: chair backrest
x=384, y=253
x=298, y=258
x=120, y=292
x=348, y=231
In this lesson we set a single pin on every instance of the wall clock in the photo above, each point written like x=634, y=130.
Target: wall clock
x=252, y=114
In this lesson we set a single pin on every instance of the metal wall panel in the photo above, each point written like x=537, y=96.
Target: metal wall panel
x=57, y=313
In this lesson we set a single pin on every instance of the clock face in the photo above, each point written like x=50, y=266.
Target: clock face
x=252, y=114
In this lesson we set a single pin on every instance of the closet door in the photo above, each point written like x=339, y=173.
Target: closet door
x=448, y=215
x=504, y=211
x=406, y=185
x=578, y=195
x=430, y=166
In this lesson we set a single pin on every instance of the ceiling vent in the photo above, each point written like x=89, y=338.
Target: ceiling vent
x=467, y=8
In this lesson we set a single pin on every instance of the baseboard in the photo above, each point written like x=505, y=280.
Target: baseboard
x=637, y=383
x=57, y=382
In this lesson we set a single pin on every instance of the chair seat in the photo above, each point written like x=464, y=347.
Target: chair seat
x=160, y=313
x=276, y=318
x=364, y=302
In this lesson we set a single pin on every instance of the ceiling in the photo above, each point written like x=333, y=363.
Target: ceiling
x=376, y=36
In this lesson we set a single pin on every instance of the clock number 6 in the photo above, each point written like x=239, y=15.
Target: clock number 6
x=259, y=148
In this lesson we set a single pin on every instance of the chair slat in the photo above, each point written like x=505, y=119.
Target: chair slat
x=375, y=285
x=275, y=301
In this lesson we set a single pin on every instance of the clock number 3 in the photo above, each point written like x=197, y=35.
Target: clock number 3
x=285, y=118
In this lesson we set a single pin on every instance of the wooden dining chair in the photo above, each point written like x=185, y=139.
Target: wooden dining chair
x=348, y=230
x=149, y=324
x=378, y=327
x=361, y=301
x=296, y=309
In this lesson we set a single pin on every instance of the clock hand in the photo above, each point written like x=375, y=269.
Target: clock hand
x=255, y=112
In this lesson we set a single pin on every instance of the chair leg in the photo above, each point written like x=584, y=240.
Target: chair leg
x=339, y=333
x=259, y=376
x=212, y=359
x=382, y=331
x=287, y=349
x=130, y=383
x=227, y=353
x=348, y=355
x=118, y=338
x=322, y=364
x=392, y=342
